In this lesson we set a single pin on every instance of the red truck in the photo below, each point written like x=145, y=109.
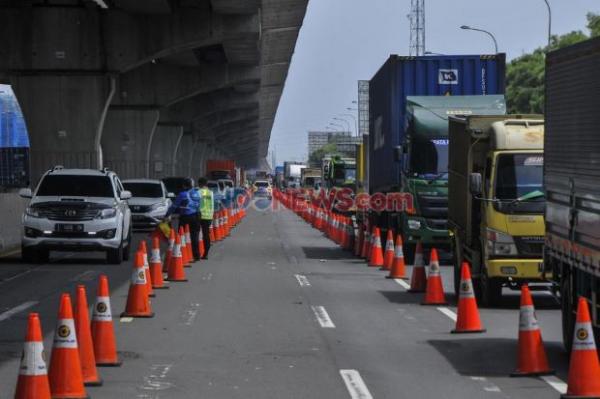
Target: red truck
x=220, y=169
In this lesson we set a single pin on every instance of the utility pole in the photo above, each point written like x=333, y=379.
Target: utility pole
x=417, y=27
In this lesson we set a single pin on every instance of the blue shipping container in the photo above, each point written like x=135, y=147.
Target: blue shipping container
x=400, y=77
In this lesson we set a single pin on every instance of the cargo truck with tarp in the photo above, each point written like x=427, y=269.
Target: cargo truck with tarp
x=496, y=201
x=410, y=101
x=572, y=178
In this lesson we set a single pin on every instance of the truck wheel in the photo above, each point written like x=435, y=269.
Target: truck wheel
x=409, y=253
x=568, y=317
x=114, y=256
x=491, y=290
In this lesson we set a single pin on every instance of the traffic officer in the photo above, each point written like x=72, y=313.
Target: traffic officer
x=186, y=205
x=206, y=211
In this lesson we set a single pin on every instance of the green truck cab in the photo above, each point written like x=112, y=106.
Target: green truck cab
x=424, y=159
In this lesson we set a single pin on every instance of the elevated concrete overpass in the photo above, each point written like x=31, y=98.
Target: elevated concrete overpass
x=147, y=87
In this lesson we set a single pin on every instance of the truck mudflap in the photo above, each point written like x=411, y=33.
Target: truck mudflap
x=518, y=269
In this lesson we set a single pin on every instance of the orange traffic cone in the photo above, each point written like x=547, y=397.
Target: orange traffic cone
x=144, y=250
x=434, y=295
x=365, y=246
x=388, y=256
x=181, y=234
x=201, y=248
x=376, y=258
x=211, y=232
x=467, y=320
x=64, y=373
x=584, y=369
x=532, y=356
x=103, y=332
x=398, y=269
x=156, y=266
x=138, y=304
x=358, y=240
x=33, y=375
x=176, y=272
x=169, y=250
x=84, y=339
x=418, y=279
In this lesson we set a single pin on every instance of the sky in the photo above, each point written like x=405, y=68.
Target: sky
x=342, y=41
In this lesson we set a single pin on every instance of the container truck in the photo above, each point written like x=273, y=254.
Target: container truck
x=410, y=100
x=310, y=178
x=220, y=169
x=572, y=178
x=291, y=173
x=496, y=201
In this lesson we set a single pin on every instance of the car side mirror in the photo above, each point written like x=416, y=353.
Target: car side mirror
x=475, y=184
x=398, y=152
x=170, y=195
x=25, y=193
x=125, y=195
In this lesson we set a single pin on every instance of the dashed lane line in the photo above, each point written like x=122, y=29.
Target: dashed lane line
x=448, y=313
x=322, y=317
x=126, y=319
x=17, y=309
x=559, y=385
x=302, y=280
x=402, y=283
x=488, y=386
x=355, y=385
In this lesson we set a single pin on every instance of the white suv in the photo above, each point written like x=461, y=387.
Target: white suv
x=77, y=210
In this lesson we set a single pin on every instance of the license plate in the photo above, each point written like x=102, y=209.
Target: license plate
x=68, y=228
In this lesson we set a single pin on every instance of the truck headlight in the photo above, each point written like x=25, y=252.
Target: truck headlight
x=500, y=243
x=414, y=224
x=107, y=213
x=33, y=212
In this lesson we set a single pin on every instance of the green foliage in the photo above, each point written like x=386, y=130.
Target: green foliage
x=525, y=74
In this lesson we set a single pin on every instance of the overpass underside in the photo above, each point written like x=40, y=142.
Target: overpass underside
x=147, y=87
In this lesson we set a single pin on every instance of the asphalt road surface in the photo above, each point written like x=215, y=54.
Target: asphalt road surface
x=278, y=311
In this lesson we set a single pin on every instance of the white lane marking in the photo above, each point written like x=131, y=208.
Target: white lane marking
x=322, y=317
x=402, y=283
x=355, y=385
x=17, y=309
x=16, y=276
x=156, y=381
x=302, y=280
x=559, y=385
x=85, y=276
x=488, y=386
x=448, y=313
x=189, y=315
x=126, y=319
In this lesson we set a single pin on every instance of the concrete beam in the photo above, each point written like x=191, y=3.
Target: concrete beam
x=235, y=6
x=163, y=85
x=162, y=155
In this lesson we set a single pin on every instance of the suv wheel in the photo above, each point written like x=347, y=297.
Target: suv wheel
x=114, y=256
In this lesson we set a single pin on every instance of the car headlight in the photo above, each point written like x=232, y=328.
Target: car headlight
x=107, y=213
x=499, y=243
x=33, y=212
x=414, y=224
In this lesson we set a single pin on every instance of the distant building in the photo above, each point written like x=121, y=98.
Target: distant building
x=345, y=142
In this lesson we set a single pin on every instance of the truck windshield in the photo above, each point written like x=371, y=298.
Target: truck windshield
x=429, y=158
x=519, y=179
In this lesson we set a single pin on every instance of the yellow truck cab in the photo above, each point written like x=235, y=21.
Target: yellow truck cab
x=496, y=201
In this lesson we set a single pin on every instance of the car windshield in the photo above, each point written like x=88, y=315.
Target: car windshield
x=261, y=184
x=148, y=190
x=429, y=158
x=76, y=186
x=174, y=184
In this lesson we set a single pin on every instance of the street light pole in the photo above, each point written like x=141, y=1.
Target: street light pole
x=466, y=27
x=345, y=121
x=549, y=23
x=355, y=123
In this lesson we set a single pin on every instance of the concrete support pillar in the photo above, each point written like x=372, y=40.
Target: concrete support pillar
x=127, y=141
x=65, y=116
x=184, y=156
x=164, y=146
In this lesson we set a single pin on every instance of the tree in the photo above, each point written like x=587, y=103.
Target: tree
x=525, y=74
x=316, y=156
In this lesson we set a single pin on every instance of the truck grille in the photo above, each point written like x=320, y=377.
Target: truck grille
x=529, y=245
x=433, y=207
x=437, y=224
x=140, y=208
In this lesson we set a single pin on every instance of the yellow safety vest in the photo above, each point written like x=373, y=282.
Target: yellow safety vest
x=207, y=207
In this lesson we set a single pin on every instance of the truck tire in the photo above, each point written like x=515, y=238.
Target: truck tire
x=568, y=317
x=114, y=256
x=409, y=253
x=490, y=290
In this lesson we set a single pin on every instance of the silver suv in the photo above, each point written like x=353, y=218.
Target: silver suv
x=77, y=210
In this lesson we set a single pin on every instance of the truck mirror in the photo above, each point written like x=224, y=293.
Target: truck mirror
x=475, y=183
x=398, y=151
